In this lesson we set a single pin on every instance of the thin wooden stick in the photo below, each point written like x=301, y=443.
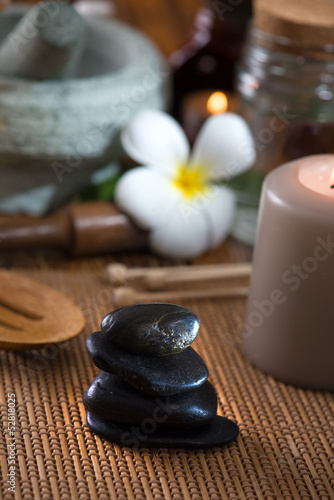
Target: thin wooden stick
x=158, y=278
x=125, y=296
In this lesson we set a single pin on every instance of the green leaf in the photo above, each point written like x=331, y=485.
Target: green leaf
x=247, y=187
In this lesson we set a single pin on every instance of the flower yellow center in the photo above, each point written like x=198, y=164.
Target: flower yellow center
x=190, y=179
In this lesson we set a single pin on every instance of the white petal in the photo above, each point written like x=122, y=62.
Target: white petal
x=155, y=138
x=184, y=235
x=146, y=196
x=225, y=145
x=219, y=213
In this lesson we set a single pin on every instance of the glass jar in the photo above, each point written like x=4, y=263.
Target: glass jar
x=286, y=90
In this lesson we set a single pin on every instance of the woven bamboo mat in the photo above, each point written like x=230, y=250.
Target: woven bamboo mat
x=285, y=447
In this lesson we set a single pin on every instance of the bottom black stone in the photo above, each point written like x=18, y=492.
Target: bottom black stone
x=111, y=398
x=218, y=432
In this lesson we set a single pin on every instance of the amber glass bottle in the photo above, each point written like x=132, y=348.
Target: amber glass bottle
x=208, y=57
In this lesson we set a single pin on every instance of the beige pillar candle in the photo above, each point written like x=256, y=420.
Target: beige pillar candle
x=289, y=322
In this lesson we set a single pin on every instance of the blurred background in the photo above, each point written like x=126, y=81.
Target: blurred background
x=199, y=44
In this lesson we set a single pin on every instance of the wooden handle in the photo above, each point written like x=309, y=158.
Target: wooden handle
x=23, y=231
x=126, y=296
x=82, y=229
x=99, y=227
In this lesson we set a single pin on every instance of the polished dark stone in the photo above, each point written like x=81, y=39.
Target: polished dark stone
x=160, y=375
x=154, y=329
x=111, y=398
x=218, y=432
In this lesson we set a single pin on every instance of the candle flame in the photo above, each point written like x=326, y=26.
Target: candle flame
x=331, y=180
x=217, y=103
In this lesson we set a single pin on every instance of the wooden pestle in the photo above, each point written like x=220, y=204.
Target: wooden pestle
x=47, y=43
x=82, y=229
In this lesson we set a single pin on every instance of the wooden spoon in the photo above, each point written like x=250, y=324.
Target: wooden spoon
x=33, y=315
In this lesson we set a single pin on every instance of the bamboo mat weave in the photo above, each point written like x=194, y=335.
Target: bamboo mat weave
x=285, y=448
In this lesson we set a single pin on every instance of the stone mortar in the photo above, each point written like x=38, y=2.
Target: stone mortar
x=54, y=134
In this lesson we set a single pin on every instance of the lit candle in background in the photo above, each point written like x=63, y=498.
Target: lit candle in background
x=217, y=103
x=288, y=330
x=198, y=106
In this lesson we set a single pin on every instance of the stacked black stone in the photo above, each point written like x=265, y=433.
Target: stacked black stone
x=153, y=390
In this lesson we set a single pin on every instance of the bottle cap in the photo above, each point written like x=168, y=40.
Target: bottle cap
x=306, y=23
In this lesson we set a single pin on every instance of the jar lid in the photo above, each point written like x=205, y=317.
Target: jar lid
x=309, y=23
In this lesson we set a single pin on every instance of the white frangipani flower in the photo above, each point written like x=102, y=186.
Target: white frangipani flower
x=174, y=194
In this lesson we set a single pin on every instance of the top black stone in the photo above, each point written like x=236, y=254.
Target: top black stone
x=152, y=329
